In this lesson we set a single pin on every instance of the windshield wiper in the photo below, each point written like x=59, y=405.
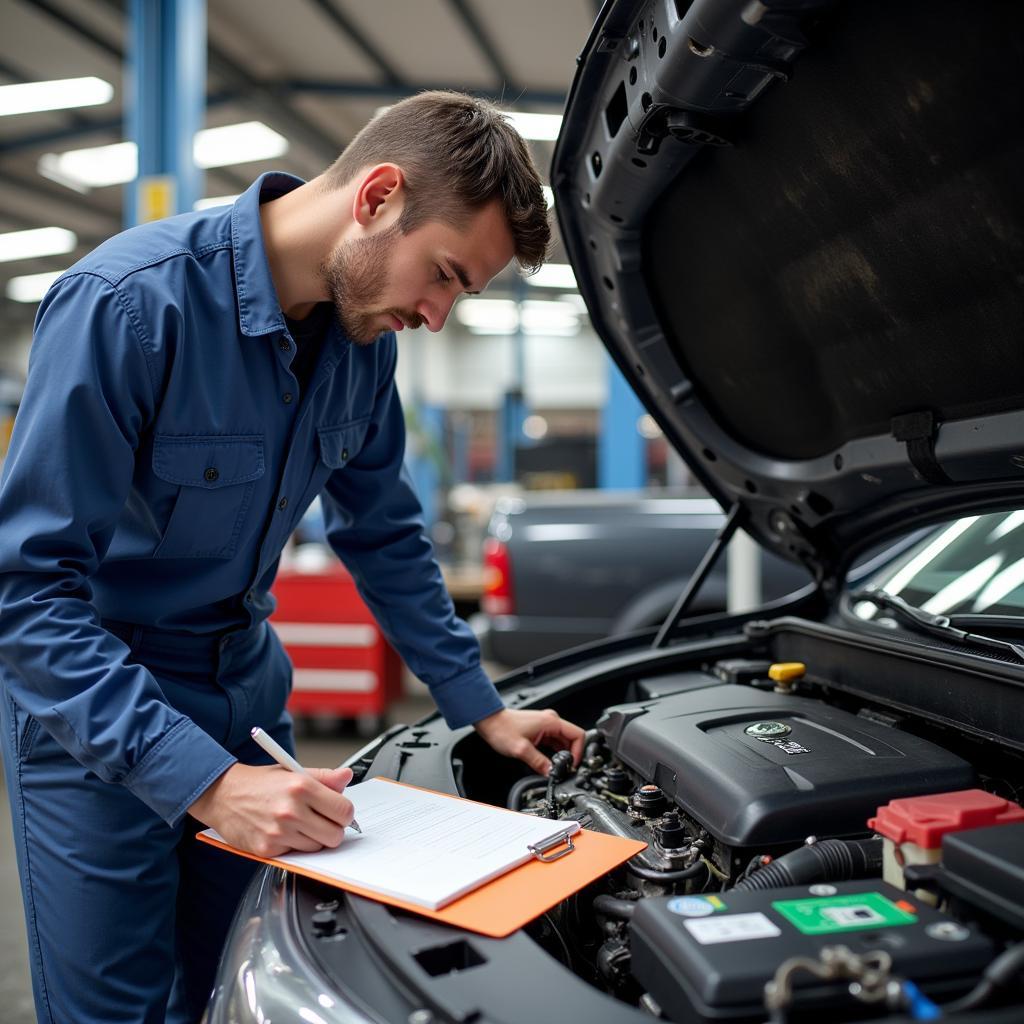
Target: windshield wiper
x=935, y=625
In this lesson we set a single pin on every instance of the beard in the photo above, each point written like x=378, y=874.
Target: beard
x=356, y=275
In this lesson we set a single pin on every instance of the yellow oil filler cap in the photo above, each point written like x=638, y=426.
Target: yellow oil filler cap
x=785, y=673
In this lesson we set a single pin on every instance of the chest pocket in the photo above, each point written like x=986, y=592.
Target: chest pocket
x=216, y=476
x=340, y=445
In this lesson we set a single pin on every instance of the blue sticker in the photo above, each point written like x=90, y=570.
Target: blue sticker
x=691, y=906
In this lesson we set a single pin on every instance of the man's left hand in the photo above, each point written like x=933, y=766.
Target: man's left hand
x=519, y=733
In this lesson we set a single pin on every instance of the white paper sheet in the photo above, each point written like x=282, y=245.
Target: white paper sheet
x=426, y=848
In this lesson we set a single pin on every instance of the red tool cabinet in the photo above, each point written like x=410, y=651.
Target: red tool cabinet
x=343, y=664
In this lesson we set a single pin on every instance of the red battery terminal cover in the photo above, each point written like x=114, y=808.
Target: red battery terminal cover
x=924, y=820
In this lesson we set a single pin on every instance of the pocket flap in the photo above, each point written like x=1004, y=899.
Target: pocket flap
x=217, y=460
x=339, y=445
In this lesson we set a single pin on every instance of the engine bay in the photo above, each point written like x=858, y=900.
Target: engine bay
x=761, y=893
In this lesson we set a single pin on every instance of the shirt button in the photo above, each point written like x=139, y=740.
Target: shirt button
x=211, y=474
x=249, y=598
x=282, y=504
x=344, y=455
x=284, y=345
x=287, y=397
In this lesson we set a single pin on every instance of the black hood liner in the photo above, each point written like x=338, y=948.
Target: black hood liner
x=860, y=253
x=798, y=226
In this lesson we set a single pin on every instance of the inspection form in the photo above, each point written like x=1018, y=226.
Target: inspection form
x=426, y=848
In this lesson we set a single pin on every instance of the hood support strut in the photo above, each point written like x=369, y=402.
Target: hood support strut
x=707, y=563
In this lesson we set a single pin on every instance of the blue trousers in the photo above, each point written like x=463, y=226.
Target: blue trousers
x=126, y=915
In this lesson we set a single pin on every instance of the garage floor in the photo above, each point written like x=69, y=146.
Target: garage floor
x=315, y=747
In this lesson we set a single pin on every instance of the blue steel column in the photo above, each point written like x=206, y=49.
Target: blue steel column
x=425, y=456
x=621, y=449
x=424, y=446
x=165, y=91
x=513, y=408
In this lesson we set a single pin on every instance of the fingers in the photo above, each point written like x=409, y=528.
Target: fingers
x=526, y=752
x=307, y=814
x=327, y=803
x=562, y=735
x=335, y=778
x=573, y=738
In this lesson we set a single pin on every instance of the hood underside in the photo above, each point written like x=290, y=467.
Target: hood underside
x=799, y=229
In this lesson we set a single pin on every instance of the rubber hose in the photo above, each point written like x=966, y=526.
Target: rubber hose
x=610, y=906
x=999, y=974
x=515, y=794
x=831, y=860
x=656, y=875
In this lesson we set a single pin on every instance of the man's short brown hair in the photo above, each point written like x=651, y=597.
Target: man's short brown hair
x=457, y=153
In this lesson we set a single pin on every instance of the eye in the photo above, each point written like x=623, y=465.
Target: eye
x=441, y=275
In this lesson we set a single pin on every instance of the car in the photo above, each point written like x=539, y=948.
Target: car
x=798, y=229
x=568, y=568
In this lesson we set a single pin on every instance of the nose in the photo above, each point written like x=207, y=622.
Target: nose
x=435, y=313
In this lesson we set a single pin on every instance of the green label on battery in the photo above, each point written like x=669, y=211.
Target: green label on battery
x=827, y=914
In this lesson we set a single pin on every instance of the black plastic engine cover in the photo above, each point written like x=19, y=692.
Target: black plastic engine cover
x=808, y=769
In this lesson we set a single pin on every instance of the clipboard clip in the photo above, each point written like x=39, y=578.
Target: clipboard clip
x=542, y=849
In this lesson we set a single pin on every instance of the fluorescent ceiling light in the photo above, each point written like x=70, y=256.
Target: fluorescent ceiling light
x=553, y=275
x=543, y=127
x=505, y=316
x=99, y=166
x=96, y=167
x=237, y=144
x=61, y=94
x=31, y=287
x=26, y=245
x=205, y=204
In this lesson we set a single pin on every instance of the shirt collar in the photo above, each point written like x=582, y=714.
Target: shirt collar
x=258, y=309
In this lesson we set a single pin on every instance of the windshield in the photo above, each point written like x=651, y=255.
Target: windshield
x=973, y=565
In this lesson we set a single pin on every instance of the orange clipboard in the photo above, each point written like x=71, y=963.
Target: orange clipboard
x=511, y=900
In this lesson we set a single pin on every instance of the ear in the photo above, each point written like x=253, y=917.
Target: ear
x=379, y=196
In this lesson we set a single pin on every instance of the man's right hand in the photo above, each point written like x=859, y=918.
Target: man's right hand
x=270, y=810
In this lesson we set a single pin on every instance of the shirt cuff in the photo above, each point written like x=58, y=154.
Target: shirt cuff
x=466, y=698
x=178, y=768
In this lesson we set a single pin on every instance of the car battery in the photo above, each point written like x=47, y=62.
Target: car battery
x=708, y=958
x=912, y=828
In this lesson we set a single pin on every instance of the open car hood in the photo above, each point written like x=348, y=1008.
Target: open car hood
x=799, y=230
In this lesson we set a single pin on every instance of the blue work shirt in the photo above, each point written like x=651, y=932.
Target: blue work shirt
x=161, y=457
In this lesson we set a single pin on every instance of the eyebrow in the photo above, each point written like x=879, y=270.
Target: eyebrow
x=460, y=273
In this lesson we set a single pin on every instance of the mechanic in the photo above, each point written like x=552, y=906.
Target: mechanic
x=193, y=385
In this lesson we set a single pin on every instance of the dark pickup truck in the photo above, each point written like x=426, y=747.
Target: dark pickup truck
x=562, y=569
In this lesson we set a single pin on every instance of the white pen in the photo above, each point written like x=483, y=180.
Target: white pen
x=284, y=759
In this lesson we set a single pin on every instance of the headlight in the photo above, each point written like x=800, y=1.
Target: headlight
x=265, y=975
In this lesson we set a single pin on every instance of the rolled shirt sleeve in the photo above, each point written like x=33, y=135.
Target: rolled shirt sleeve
x=375, y=525
x=89, y=395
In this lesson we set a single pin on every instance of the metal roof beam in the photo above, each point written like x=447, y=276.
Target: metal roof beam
x=60, y=196
x=490, y=51
x=362, y=41
x=300, y=86
x=383, y=92
x=111, y=49
x=289, y=120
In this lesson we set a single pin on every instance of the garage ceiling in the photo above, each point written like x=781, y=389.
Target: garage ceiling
x=313, y=70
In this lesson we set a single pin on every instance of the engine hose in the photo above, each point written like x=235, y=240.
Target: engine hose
x=515, y=794
x=610, y=906
x=655, y=875
x=831, y=860
x=999, y=974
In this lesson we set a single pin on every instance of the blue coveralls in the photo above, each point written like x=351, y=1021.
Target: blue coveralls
x=161, y=457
